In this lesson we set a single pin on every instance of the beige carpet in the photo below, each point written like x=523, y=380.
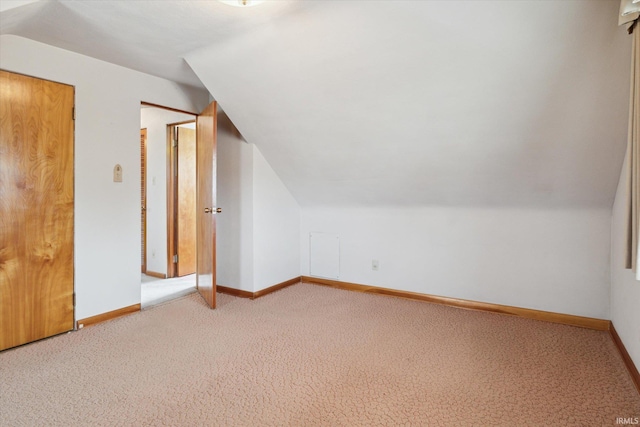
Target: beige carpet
x=310, y=355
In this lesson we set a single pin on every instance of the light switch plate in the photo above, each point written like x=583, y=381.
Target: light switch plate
x=117, y=173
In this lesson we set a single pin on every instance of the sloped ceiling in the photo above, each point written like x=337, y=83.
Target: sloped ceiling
x=508, y=103
x=151, y=36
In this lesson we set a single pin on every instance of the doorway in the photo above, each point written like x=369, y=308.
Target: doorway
x=181, y=200
x=167, y=169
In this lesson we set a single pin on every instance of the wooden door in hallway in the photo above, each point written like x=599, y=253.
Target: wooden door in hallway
x=143, y=199
x=206, y=199
x=186, y=202
x=36, y=209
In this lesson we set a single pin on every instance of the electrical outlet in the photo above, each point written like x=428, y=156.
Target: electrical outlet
x=375, y=265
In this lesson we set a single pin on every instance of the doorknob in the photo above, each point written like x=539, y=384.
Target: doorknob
x=144, y=209
x=218, y=210
x=208, y=210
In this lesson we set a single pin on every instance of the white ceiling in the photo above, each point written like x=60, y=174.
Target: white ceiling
x=510, y=103
x=146, y=35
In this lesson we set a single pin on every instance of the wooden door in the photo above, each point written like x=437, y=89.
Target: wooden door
x=143, y=198
x=205, y=201
x=186, y=202
x=36, y=209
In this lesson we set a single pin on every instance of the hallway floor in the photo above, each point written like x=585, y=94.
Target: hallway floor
x=155, y=291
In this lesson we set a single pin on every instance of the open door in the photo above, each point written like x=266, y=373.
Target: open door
x=143, y=199
x=206, y=204
x=185, y=206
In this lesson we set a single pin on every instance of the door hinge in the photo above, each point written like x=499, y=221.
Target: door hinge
x=175, y=259
x=175, y=137
x=74, y=299
x=73, y=113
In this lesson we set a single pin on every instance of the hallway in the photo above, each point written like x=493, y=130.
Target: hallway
x=156, y=291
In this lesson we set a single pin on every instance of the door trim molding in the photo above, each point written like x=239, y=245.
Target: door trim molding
x=171, y=182
x=164, y=107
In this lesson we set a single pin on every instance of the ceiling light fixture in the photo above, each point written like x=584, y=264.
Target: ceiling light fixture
x=241, y=3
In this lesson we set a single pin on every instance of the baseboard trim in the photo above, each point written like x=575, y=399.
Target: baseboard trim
x=154, y=274
x=260, y=293
x=110, y=315
x=277, y=287
x=631, y=367
x=566, y=319
x=235, y=292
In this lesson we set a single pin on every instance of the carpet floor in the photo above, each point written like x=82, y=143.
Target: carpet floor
x=310, y=355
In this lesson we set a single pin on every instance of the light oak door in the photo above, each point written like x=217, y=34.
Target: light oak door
x=143, y=199
x=205, y=200
x=36, y=209
x=186, y=203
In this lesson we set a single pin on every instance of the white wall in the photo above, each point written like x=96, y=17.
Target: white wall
x=155, y=120
x=276, y=227
x=234, y=226
x=107, y=131
x=552, y=260
x=258, y=231
x=625, y=289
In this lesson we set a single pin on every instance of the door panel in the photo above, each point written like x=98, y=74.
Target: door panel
x=186, y=212
x=143, y=198
x=205, y=200
x=36, y=209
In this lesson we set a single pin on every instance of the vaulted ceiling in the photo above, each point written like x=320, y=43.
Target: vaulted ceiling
x=364, y=102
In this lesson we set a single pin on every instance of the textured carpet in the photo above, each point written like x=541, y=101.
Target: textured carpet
x=309, y=355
